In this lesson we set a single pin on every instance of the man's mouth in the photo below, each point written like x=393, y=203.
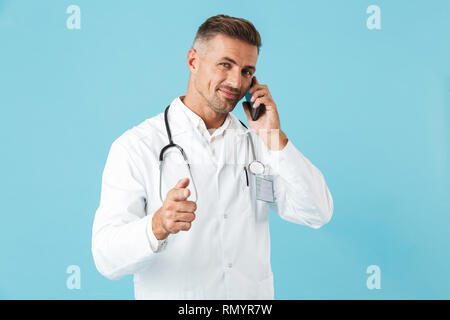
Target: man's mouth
x=228, y=94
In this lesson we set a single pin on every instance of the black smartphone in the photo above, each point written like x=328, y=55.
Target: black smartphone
x=255, y=112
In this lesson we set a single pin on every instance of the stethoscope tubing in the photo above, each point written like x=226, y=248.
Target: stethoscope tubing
x=174, y=145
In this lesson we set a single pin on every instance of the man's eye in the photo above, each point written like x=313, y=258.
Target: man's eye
x=247, y=72
x=225, y=64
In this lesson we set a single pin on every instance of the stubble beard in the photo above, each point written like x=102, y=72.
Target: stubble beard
x=220, y=104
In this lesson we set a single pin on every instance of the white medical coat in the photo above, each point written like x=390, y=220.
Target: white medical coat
x=226, y=253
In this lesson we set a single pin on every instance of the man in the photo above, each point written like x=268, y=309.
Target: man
x=218, y=204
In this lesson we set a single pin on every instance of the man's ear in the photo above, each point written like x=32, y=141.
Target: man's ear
x=192, y=60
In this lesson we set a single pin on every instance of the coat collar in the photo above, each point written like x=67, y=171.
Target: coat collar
x=182, y=120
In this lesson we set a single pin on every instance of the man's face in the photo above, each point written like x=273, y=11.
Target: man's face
x=225, y=70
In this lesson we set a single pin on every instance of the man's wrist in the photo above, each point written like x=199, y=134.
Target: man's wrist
x=274, y=139
x=156, y=245
x=157, y=229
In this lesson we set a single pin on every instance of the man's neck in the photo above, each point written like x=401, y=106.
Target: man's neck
x=212, y=119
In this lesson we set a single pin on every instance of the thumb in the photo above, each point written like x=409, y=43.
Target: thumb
x=183, y=183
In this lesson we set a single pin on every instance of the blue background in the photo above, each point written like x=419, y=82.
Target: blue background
x=370, y=108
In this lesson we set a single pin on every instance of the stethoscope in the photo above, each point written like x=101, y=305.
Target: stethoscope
x=255, y=167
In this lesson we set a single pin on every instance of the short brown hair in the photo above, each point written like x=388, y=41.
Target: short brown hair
x=236, y=28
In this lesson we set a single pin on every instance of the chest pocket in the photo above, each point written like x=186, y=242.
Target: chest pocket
x=255, y=209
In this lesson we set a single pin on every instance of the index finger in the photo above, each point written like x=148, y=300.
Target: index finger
x=255, y=84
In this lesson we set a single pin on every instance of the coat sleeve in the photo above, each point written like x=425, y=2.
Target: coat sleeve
x=301, y=194
x=120, y=243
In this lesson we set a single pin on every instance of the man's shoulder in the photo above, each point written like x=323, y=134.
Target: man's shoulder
x=146, y=130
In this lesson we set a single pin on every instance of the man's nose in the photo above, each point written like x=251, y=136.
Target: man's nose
x=234, y=81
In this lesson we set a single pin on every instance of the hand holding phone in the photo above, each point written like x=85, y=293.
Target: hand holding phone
x=255, y=112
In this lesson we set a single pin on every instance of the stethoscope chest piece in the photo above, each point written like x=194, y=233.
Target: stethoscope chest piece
x=256, y=167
